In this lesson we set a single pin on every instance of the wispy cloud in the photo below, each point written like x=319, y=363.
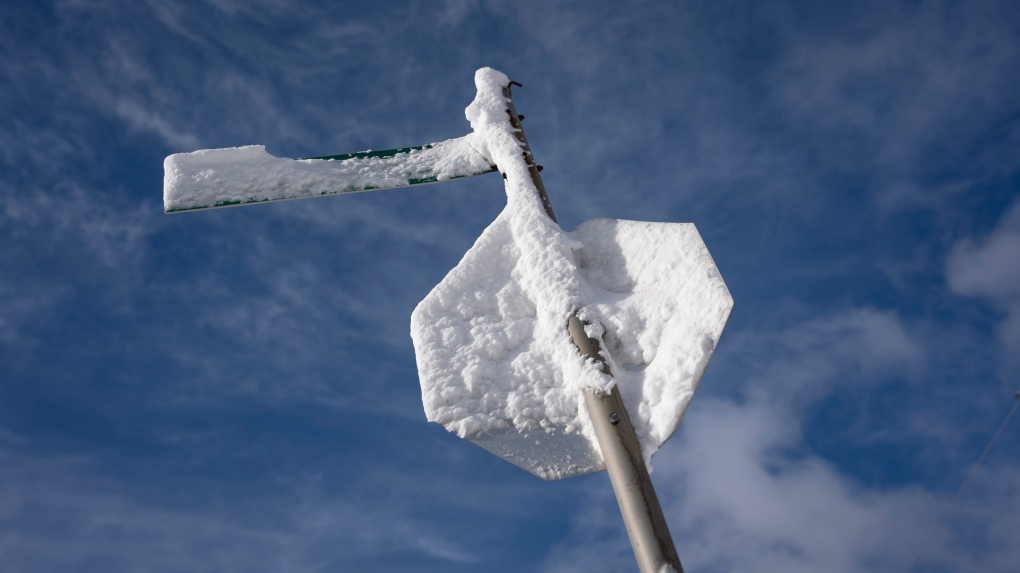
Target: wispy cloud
x=58, y=514
x=143, y=120
x=175, y=390
x=61, y=227
x=908, y=86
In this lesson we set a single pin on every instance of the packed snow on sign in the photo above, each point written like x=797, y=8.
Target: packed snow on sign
x=242, y=175
x=495, y=361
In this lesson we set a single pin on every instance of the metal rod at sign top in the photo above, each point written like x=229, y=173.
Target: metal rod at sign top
x=642, y=514
x=533, y=168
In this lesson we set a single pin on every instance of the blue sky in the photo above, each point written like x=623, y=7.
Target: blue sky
x=236, y=390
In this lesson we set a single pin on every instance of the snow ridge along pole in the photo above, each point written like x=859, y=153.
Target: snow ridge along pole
x=642, y=514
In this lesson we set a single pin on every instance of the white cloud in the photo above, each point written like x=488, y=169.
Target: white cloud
x=990, y=268
x=795, y=367
x=743, y=491
x=745, y=505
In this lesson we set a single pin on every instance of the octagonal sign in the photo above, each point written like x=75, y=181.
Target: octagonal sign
x=492, y=372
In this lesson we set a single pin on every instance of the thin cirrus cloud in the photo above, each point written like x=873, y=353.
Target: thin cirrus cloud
x=77, y=517
x=915, y=85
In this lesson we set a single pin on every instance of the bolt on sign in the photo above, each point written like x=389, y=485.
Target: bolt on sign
x=563, y=353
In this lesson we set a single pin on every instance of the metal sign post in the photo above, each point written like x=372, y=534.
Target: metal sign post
x=642, y=514
x=246, y=175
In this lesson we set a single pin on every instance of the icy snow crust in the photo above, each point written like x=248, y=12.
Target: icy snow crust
x=494, y=356
x=241, y=175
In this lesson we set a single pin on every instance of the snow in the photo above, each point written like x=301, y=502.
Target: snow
x=495, y=361
x=494, y=356
x=241, y=175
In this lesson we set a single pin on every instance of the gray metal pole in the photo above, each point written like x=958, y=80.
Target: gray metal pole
x=642, y=514
x=533, y=168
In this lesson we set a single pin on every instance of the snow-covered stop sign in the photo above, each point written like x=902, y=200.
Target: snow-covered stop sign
x=495, y=361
